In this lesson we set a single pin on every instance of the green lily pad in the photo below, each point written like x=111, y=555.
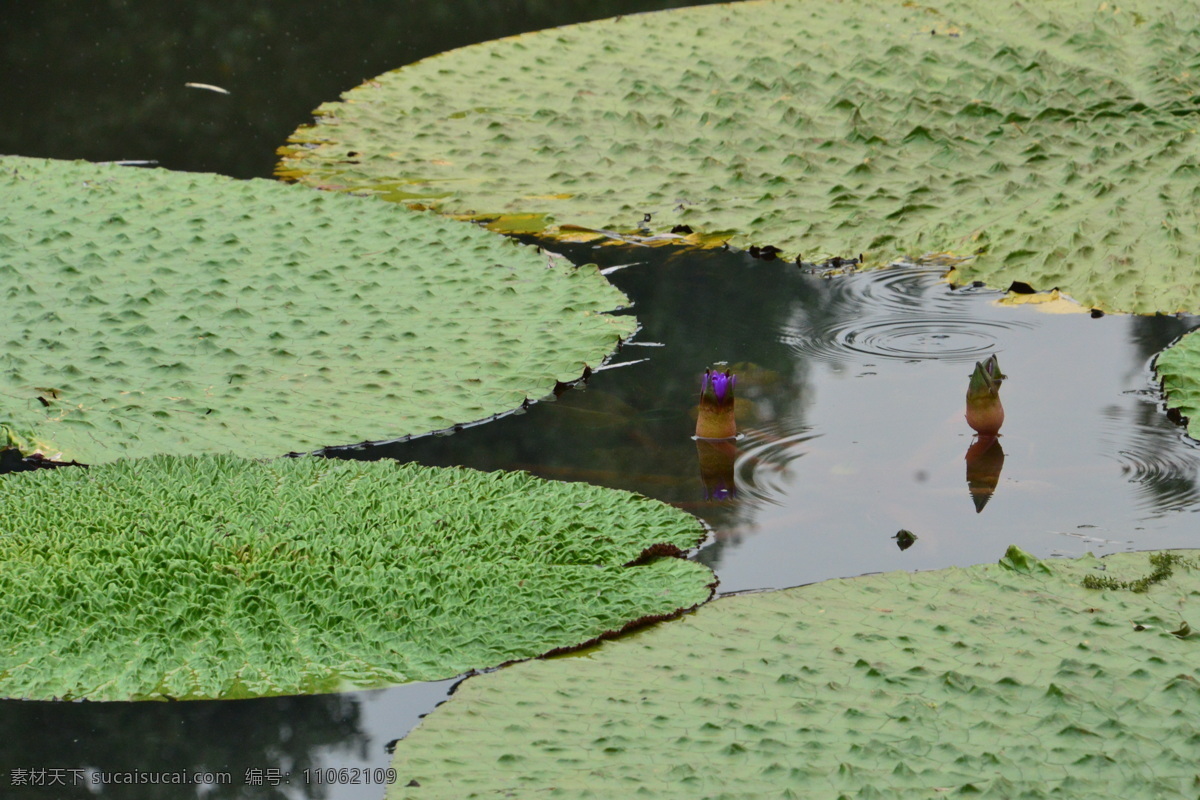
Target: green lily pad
x=999, y=679
x=1056, y=140
x=215, y=577
x=1178, y=369
x=159, y=312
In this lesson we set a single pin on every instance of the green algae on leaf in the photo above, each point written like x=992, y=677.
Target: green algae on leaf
x=1056, y=140
x=211, y=576
x=1010, y=682
x=1178, y=369
x=159, y=312
x=1163, y=566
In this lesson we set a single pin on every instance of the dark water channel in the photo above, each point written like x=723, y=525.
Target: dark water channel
x=851, y=389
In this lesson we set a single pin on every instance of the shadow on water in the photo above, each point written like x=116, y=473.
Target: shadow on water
x=106, y=81
x=218, y=750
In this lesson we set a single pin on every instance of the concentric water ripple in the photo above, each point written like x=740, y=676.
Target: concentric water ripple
x=762, y=466
x=1157, y=460
x=907, y=338
x=900, y=288
x=901, y=313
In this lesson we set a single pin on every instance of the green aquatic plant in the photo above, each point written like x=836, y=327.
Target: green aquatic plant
x=1178, y=371
x=1054, y=142
x=1009, y=679
x=1163, y=567
x=217, y=577
x=160, y=312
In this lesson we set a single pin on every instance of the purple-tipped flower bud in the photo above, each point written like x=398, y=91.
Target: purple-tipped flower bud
x=722, y=384
x=716, y=388
x=716, y=420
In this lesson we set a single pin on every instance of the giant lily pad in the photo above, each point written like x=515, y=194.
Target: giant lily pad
x=1057, y=140
x=1178, y=369
x=151, y=311
x=1009, y=678
x=205, y=577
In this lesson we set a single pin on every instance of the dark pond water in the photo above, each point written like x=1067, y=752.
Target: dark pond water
x=851, y=389
x=851, y=399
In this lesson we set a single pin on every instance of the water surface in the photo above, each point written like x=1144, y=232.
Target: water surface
x=851, y=397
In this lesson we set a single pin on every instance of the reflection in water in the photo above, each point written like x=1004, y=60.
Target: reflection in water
x=716, y=468
x=86, y=742
x=120, y=93
x=229, y=739
x=764, y=469
x=985, y=460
